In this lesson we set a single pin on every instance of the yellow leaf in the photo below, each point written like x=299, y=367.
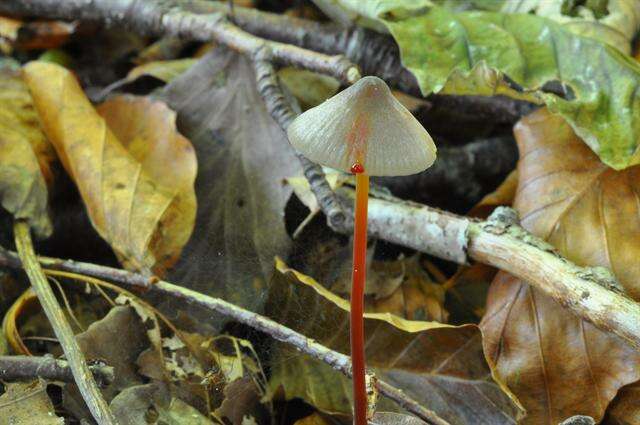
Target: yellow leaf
x=25, y=155
x=134, y=171
x=432, y=362
x=163, y=70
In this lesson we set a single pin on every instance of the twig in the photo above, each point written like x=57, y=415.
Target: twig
x=282, y=112
x=592, y=293
x=81, y=371
x=336, y=360
x=172, y=18
x=376, y=54
x=19, y=368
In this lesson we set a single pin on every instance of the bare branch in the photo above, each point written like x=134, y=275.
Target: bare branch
x=591, y=293
x=19, y=368
x=81, y=371
x=173, y=18
x=336, y=360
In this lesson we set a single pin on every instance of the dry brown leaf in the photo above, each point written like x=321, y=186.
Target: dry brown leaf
x=26, y=404
x=25, y=154
x=558, y=365
x=625, y=409
x=439, y=365
x=34, y=34
x=144, y=208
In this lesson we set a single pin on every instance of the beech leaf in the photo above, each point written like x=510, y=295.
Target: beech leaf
x=142, y=208
x=243, y=156
x=439, y=365
x=589, y=212
x=25, y=154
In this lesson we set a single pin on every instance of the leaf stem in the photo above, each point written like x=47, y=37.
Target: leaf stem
x=357, y=299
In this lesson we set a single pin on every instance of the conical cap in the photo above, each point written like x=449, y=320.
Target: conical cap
x=366, y=124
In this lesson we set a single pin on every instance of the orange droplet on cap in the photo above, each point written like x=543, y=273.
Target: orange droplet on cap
x=357, y=168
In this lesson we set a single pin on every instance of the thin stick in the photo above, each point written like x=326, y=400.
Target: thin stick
x=18, y=368
x=357, y=299
x=336, y=360
x=81, y=371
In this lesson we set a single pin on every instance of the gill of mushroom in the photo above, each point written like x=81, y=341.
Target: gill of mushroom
x=365, y=131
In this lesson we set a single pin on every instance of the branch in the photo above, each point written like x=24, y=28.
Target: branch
x=280, y=108
x=81, y=372
x=375, y=54
x=172, y=18
x=592, y=293
x=336, y=360
x=19, y=368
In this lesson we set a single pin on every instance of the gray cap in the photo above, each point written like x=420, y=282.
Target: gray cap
x=364, y=123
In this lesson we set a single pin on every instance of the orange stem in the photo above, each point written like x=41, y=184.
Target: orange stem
x=357, y=299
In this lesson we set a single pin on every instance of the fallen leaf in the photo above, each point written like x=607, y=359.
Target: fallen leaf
x=164, y=71
x=483, y=53
x=313, y=419
x=27, y=404
x=616, y=25
x=153, y=403
x=625, y=409
x=310, y=88
x=390, y=418
x=243, y=157
x=25, y=154
x=241, y=398
x=144, y=209
x=586, y=210
x=34, y=34
x=439, y=365
x=118, y=339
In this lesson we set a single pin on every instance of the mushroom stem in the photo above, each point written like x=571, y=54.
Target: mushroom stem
x=357, y=298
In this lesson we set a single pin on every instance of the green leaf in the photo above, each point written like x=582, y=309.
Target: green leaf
x=454, y=50
x=471, y=52
x=615, y=22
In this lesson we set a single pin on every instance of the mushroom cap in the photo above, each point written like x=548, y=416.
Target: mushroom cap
x=364, y=124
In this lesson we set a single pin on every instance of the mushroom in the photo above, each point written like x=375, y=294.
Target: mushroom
x=365, y=131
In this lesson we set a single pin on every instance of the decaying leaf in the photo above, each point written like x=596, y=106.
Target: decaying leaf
x=118, y=339
x=34, y=34
x=161, y=70
x=390, y=418
x=144, y=209
x=310, y=88
x=153, y=403
x=242, y=399
x=625, y=409
x=243, y=157
x=25, y=154
x=615, y=22
x=27, y=404
x=439, y=365
x=589, y=213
